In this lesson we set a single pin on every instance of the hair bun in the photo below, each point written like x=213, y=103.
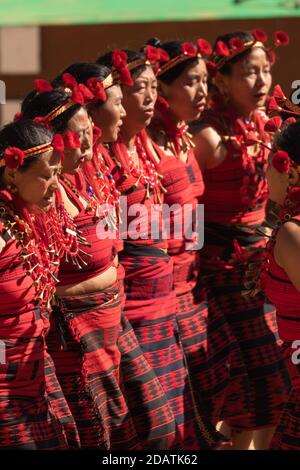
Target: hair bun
x=155, y=42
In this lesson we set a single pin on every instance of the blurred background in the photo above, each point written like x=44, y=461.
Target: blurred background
x=39, y=38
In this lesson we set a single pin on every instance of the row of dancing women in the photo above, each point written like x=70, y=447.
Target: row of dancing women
x=114, y=338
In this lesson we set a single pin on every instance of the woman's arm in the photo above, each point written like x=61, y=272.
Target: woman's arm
x=209, y=148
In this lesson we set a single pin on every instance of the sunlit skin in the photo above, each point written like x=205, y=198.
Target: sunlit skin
x=248, y=83
x=37, y=184
x=139, y=101
x=74, y=158
x=187, y=95
x=245, y=89
x=108, y=116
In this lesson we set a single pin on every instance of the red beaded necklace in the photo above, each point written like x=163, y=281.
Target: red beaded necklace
x=144, y=171
x=41, y=264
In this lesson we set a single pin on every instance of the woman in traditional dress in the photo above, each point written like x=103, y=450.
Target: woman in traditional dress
x=234, y=200
x=280, y=273
x=208, y=343
x=33, y=411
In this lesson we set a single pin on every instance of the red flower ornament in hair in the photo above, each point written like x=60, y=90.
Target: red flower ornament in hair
x=96, y=87
x=13, y=157
x=119, y=59
x=259, y=35
x=222, y=49
x=80, y=93
x=281, y=39
x=188, y=50
x=42, y=86
x=281, y=161
x=204, y=48
x=236, y=44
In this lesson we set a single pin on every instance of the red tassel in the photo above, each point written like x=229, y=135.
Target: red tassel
x=69, y=81
x=58, y=143
x=278, y=93
x=273, y=124
x=86, y=93
x=238, y=251
x=272, y=106
x=119, y=58
x=96, y=87
x=125, y=76
x=71, y=140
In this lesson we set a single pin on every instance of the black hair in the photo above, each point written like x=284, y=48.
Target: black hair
x=289, y=140
x=132, y=56
x=245, y=36
x=173, y=48
x=23, y=134
x=82, y=71
x=40, y=104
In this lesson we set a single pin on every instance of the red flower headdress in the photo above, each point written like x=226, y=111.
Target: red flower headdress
x=14, y=157
x=152, y=56
x=223, y=53
x=202, y=50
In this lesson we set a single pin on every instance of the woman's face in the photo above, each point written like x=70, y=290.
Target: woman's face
x=278, y=182
x=108, y=116
x=36, y=185
x=187, y=94
x=139, y=100
x=249, y=82
x=74, y=158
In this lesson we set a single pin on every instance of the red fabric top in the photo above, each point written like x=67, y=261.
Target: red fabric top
x=286, y=298
x=151, y=214
x=184, y=184
x=20, y=321
x=236, y=190
x=101, y=252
